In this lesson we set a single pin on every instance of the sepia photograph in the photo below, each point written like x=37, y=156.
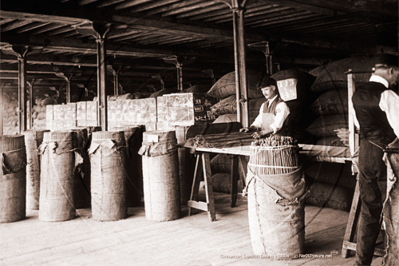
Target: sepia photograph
x=199, y=132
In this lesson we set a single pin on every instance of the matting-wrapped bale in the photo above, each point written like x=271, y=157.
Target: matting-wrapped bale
x=82, y=174
x=134, y=169
x=12, y=179
x=33, y=139
x=276, y=192
x=391, y=207
x=108, y=178
x=161, y=176
x=57, y=176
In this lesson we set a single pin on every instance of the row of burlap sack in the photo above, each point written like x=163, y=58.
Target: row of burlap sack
x=226, y=111
x=10, y=112
x=332, y=103
x=300, y=116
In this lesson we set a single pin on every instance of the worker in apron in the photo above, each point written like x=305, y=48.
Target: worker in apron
x=377, y=112
x=273, y=113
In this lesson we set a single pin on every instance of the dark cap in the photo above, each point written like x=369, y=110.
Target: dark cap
x=266, y=82
x=385, y=60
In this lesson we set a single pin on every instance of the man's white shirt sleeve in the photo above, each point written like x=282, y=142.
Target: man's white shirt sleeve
x=389, y=103
x=258, y=120
x=282, y=111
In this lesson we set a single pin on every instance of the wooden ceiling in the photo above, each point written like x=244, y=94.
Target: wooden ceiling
x=141, y=33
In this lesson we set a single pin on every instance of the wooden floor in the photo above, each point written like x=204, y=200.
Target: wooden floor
x=191, y=240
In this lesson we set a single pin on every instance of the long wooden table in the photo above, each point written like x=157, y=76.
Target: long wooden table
x=318, y=153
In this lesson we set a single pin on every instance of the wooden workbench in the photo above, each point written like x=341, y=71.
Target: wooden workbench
x=318, y=153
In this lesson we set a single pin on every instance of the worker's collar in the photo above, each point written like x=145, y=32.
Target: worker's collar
x=379, y=79
x=271, y=100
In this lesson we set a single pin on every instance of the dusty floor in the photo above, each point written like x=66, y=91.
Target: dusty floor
x=191, y=240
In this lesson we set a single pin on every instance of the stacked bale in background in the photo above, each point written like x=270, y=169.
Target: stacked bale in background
x=226, y=111
x=10, y=113
x=225, y=90
x=332, y=104
x=332, y=186
x=39, y=112
x=221, y=173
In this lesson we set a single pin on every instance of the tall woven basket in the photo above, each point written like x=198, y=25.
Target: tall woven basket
x=276, y=189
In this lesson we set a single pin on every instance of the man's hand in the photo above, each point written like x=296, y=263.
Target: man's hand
x=244, y=129
x=262, y=133
x=248, y=129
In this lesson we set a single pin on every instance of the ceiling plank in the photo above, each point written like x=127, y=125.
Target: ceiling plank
x=47, y=28
x=15, y=24
x=5, y=20
x=183, y=30
x=204, y=10
x=186, y=6
x=32, y=26
x=41, y=17
x=86, y=2
x=152, y=5
x=130, y=3
x=109, y=3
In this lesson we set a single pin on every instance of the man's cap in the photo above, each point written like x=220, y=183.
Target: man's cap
x=386, y=60
x=266, y=82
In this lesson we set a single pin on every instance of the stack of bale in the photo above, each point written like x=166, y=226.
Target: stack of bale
x=221, y=174
x=226, y=111
x=331, y=187
x=39, y=112
x=332, y=104
x=225, y=91
x=10, y=113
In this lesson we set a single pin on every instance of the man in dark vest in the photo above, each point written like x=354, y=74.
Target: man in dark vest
x=273, y=113
x=377, y=113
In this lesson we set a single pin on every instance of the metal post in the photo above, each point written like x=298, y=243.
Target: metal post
x=240, y=64
x=179, y=69
x=30, y=106
x=1, y=109
x=67, y=86
x=243, y=69
x=116, y=83
x=264, y=47
x=115, y=73
x=101, y=84
x=99, y=31
x=179, y=61
x=21, y=94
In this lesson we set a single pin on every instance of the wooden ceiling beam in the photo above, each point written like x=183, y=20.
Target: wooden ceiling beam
x=288, y=14
x=204, y=10
x=377, y=9
x=291, y=18
x=251, y=13
x=182, y=30
x=262, y=15
x=41, y=17
x=130, y=3
x=6, y=20
x=109, y=3
x=152, y=5
x=15, y=24
x=189, y=6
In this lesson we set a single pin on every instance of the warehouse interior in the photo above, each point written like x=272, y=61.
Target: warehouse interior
x=61, y=54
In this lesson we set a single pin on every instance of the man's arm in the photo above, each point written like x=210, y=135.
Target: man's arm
x=282, y=112
x=389, y=103
x=257, y=124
